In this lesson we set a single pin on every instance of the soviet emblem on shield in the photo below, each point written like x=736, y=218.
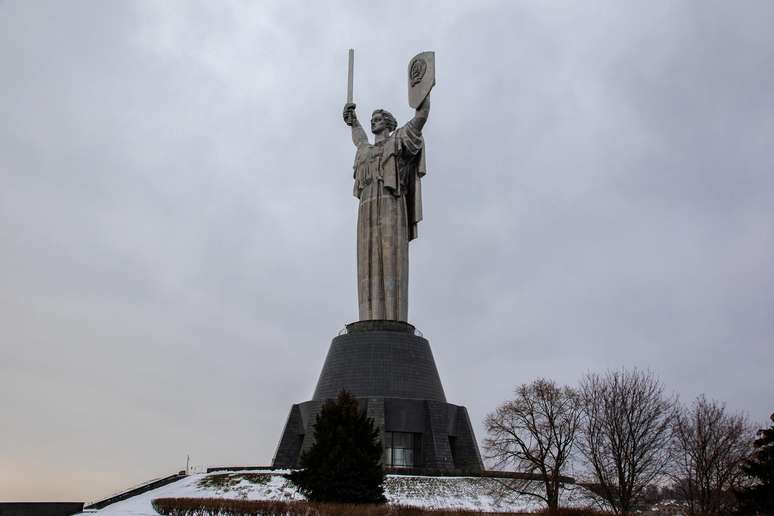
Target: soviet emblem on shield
x=418, y=68
x=421, y=77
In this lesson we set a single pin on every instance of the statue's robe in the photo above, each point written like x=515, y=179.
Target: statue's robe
x=388, y=183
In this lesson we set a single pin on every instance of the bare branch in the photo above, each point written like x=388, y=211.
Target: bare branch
x=625, y=436
x=534, y=432
x=710, y=447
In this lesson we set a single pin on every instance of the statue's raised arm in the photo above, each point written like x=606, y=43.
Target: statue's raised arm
x=422, y=113
x=350, y=118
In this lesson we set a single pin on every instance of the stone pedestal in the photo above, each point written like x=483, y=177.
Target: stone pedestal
x=391, y=371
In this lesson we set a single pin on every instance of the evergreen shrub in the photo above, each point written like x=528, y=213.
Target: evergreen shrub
x=344, y=463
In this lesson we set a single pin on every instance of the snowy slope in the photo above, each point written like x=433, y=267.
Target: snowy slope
x=430, y=492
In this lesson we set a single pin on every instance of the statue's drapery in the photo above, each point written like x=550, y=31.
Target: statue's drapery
x=388, y=183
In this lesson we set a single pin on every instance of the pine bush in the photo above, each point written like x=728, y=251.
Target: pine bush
x=343, y=465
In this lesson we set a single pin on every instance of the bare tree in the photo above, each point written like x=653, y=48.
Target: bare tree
x=710, y=447
x=625, y=434
x=534, y=433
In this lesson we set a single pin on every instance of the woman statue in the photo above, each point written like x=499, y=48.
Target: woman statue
x=387, y=182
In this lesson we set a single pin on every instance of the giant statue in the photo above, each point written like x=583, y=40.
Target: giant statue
x=382, y=359
x=388, y=175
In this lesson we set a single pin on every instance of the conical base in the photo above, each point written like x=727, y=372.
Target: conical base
x=391, y=371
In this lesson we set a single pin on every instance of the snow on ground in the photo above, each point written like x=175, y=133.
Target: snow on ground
x=471, y=493
x=246, y=485
x=430, y=492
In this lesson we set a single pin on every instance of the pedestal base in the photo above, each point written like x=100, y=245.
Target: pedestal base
x=391, y=371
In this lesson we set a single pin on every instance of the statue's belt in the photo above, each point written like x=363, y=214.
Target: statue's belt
x=369, y=180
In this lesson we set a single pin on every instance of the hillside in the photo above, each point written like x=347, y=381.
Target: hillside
x=429, y=492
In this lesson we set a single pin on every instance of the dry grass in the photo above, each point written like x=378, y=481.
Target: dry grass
x=226, y=507
x=230, y=480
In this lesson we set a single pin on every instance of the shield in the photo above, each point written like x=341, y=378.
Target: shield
x=421, y=77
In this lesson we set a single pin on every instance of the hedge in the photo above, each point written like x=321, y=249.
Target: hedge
x=231, y=507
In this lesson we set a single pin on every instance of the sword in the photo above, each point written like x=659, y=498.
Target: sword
x=349, y=74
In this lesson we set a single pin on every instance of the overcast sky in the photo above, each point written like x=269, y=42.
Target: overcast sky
x=177, y=225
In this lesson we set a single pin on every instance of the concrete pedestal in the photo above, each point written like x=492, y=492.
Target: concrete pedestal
x=391, y=371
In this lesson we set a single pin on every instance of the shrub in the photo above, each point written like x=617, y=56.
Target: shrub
x=226, y=507
x=344, y=463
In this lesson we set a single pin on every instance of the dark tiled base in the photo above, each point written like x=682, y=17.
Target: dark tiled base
x=392, y=373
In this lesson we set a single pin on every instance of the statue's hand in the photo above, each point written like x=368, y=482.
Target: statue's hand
x=349, y=114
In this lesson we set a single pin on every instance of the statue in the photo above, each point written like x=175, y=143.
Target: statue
x=381, y=359
x=387, y=178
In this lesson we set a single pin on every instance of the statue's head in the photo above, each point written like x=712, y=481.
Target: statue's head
x=382, y=120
